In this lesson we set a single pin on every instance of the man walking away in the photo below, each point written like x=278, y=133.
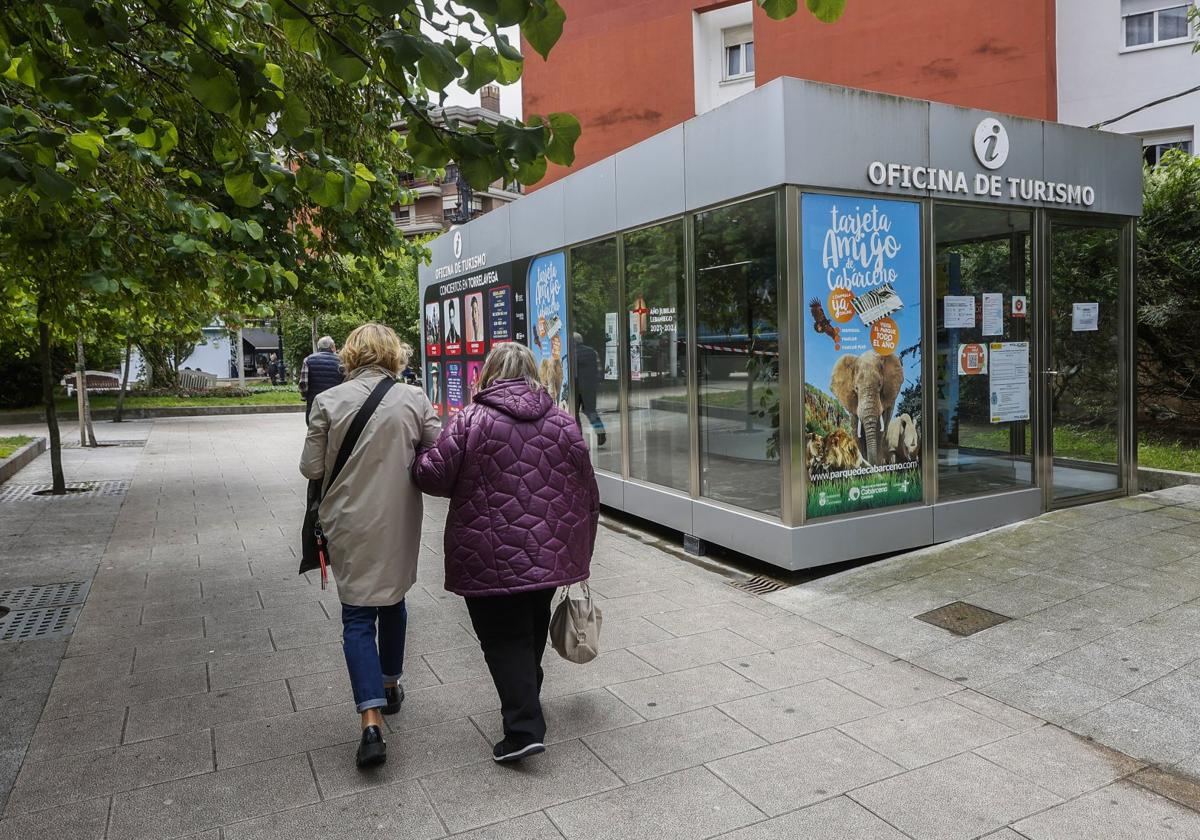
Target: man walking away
x=320, y=372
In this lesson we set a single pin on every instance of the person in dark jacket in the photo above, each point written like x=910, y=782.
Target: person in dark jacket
x=522, y=521
x=587, y=382
x=320, y=372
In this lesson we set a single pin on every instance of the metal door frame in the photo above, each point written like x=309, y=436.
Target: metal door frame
x=1126, y=342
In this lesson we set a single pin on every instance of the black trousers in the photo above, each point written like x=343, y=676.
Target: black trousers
x=512, y=632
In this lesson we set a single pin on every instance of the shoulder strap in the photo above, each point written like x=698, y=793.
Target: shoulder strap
x=356, y=428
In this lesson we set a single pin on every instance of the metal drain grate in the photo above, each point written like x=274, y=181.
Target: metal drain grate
x=758, y=585
x=46, y=595
x=963, y=619
x=74, y=444
x=50, y=623
x=10, y=492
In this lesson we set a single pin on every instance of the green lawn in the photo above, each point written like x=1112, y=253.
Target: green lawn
x=280, y=395
x=9, y=445
x=1092, y=444
x=731, y=398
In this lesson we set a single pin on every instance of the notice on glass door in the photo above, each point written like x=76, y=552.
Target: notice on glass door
x=960, y=312
x=1009, y=381
x=993, y=313
x=1085, y=317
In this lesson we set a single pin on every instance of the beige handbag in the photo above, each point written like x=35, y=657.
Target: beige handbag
x=575, y=627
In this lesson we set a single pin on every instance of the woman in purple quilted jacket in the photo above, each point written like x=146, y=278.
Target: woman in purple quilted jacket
x=523, y=512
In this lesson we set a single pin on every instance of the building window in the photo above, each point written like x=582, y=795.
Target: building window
x=737, y=354
x=1158, y=26
x=404, y=214
x=596, y=316
x=1154, y=151
x=980, y=252
x=739, y=52
x=655, y=353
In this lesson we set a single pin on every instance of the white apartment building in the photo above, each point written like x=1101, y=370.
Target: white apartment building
x=1119, y=56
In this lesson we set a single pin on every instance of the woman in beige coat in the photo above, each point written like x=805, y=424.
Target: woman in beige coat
x=371, y=517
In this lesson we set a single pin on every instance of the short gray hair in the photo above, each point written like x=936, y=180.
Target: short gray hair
x=509, y=360
x=325, y=342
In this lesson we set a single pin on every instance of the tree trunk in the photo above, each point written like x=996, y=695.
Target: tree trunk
x=118, y=416
x=160, y=372
x=44, y=346
x=87, y=434
x=241, y=360
x=314, y=333
x=279, y=330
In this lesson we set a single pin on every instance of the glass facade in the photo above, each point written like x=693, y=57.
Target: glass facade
x=676, y=342
x=655, y=354
x=737, y=353
x=982, y=262
x=594, y=358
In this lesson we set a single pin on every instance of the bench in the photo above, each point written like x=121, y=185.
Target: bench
x=196, y=380
x=96, y=381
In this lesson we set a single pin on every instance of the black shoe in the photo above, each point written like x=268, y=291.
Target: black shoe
x=372, y=750
x=505, y=752
x=601, y=439
x=394, y=697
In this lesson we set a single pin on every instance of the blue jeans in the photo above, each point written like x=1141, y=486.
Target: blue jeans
x=370, y=666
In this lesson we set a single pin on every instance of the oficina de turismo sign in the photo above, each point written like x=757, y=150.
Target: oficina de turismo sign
x=460, y=263
x=991, y=150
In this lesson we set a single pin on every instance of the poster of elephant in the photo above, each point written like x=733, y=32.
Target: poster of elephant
x=862, y=352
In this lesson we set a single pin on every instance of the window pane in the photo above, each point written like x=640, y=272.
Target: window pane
x=738, y=354
x=1173, y=23
x=980, y=252
x=1085, y=391
x=595, y=310
x=1139, y=29
x=656, y=355
x=748, y=48
x=733, y=61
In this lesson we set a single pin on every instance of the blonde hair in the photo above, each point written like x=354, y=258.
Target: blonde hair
x=508, y=361
x=374, y=345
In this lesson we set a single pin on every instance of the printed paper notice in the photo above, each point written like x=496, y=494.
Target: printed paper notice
x=960, y=312
x=1009, y=381
x=1085, y=317
x=993, y=313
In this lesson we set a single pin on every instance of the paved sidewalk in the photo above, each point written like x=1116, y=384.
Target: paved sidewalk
x=203, y=693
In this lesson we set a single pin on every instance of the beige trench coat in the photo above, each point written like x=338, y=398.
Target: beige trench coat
x=372, y=513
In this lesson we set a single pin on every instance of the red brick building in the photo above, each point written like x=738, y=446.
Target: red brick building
x=631, y=68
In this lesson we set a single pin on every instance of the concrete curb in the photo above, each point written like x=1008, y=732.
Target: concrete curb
x=1150, y=479
x=14, y=463
x=19, y=418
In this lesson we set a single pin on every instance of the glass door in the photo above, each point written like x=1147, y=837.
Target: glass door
x=1084, y=378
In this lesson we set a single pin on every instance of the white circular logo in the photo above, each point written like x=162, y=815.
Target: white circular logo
x=458, y=244
x=991, y=143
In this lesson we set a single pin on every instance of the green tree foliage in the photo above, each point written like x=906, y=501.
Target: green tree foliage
x=1168, y=289
x=392, y=300
x=160, y=155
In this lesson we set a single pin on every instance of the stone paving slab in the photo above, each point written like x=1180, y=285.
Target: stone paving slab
x=204, y=695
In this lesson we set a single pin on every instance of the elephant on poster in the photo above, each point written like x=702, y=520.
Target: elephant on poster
x=867, y=386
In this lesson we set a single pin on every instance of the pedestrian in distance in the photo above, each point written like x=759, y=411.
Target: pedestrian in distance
x=522, y=521
x=319, y=372
x=371, y=515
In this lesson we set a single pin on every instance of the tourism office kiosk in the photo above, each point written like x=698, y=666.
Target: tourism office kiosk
x=818, y=323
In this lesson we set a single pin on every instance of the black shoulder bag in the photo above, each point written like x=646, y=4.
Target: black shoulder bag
x=315, y=552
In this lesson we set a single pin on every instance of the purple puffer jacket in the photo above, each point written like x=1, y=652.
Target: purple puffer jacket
x=523, y=497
